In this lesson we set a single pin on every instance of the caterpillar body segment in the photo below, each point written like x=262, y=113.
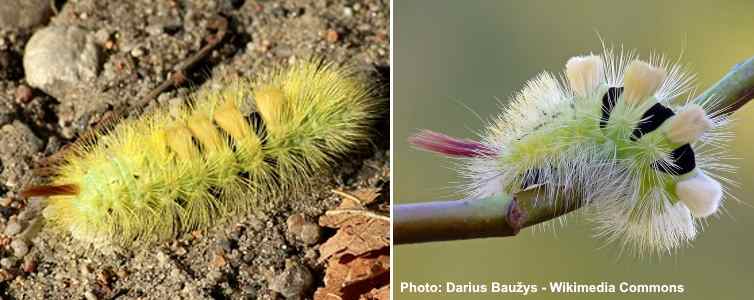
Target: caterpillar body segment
x=612, y=135
x=149, y=179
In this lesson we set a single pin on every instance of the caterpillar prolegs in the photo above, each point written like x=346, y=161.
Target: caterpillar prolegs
x=613, y=134
x=152, y=178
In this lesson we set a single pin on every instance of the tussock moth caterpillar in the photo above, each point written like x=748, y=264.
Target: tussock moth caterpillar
x=615, y=134
x=151, y=178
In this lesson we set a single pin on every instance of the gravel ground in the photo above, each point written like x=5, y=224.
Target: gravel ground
x=64, y=65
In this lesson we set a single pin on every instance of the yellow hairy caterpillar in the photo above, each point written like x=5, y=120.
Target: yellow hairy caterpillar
x=151, y=178
x=615, y=134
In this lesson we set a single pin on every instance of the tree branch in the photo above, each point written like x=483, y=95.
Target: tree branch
x=506, y=215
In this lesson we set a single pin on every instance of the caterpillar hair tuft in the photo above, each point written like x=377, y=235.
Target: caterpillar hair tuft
x=149, y=179
x=616, y=135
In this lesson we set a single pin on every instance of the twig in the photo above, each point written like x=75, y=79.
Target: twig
x=348, y=197
x=220, y=24
x=359, y=212
x=506, y=215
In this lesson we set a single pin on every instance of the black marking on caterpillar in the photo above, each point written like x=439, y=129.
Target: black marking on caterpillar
x=683, y=161
x=651, y=120
x=608, y=103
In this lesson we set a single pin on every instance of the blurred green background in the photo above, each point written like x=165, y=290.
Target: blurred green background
x=454, y=58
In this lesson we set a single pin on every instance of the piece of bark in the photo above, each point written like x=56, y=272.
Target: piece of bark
x=358, y=199
x=382, y=293
x=358, y=233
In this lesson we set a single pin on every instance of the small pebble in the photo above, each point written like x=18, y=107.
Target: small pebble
x=293, y=282
x=5, y=240
x=218, y=261
x=137, y=52
x=225, y=244
x=30, y=264
x=295, y=222
x=162, y=258
x=85, y=270
x=310, y=233
x=236, y=233
x=12, y=181
x=89, y=295
x=109, y=45
x=248, y=258
x=20, y=247
x=214, y=276
x=175, y=273
x=13, y=227
x=5, y=275
x=332, y=36
x=8, y=262
x=103, y=278
x=102, y=36
x=24, y=94
x=155, y=29
x=311, y=255
x=121, y=273
x=180, y=251
x=303, y=229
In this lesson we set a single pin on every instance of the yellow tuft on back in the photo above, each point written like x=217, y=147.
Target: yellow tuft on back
x=271, y=104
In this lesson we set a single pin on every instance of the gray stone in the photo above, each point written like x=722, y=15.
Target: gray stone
x=24, y=14
x=293, y=282
x=20, y=247
x=310, y=233
x=303, y=229
x=13, y=227
x=59, y=58
x=8, y=262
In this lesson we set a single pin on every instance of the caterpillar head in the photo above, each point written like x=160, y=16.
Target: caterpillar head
x=612, y=135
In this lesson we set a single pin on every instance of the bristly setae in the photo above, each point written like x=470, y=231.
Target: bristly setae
x=152, y=178
x=612, y=134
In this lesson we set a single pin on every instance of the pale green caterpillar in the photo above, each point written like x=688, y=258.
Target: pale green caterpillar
x=613, y=135
x=152, y=178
